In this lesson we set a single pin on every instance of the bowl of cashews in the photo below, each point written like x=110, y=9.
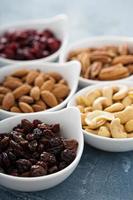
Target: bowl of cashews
x=107, y=115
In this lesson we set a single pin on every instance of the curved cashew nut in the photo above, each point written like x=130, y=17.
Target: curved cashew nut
x=104, y=131
x=108, y=92
x=117, y=129
x=127, y=101
x=99, y=103
x=125, y=115
x=122, y=92
x=97, y=118
x=92, y=95
x=115, y=107
x=129, y=126
x=83, y=116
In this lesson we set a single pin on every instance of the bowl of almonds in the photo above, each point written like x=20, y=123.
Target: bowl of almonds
x=36, y=87
x=107, y=115
x=102, y=59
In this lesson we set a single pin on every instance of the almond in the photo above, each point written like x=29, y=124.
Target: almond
x=8, y=101
x=55, y=75
x=124, y=59
x=130, y=69
x=1, y=98
x=61, y=91
x=26, y=108
x=12, y=84
x=37, y=108
x=31, y=76
x=100, y=58
x=113, y=73
x=4, y=90
x=15, y=109
x=20, y=73
x=26, y=99
x=47, y=85
x=39, y=80
x=35, y=93
x=84, y=59
x=62, y=81
x=22, y=90
x=42, y=104
x=49, y=98
x=95, y=69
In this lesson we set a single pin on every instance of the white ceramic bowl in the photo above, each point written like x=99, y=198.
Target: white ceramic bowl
x=103, y=143
x=58, y=24
x=70, y=71
x=69, y=120
x=96, y=42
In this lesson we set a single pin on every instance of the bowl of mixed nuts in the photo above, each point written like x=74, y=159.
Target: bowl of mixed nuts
x=36, y=87
x=107, y=115
x=36, y=40
x=102, y=59
x=39, y=150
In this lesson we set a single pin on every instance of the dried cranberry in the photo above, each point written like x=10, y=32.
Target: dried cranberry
x=40, y=148
x=53, y=44
x=11, y=156
x=5, y=159
x=68, y=155
x=55, y=128
x=27, y=125
x=37, y=133
x=37, y=170
x=62, y=165
x=4, y=143
x=30, y=137
x=70, y=144
x=33, y=145
x=36, y=122
x=53, y=169
x=23, y=165
x=48, y=158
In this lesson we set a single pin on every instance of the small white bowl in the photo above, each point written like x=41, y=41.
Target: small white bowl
x=103, y=143
x=69, y=120
x=58, y=24
x=96, y=42
x=70, y=71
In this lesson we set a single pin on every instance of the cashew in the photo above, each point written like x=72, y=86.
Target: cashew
x=108, y=92
x=127, y=101
x=117, y=129
x=129, y=126
x=115, y=107
x=97, y=118
x=104, y=131
x=88, y=109
x=122, y=92
x=125, y=115
x=99, y=103
x=130, y=135
x=130, y=94
x=92, y=95
x=83, y=117
x=80, y=100
x=81, y=108
x=91, y=130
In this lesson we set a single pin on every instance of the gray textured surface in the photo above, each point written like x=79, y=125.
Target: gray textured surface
x=100, y=175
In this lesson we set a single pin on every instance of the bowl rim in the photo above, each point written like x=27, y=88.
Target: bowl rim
x=80, y=42
x=61, y=172
x=93, y=87
x=74, y=64
x=41, y=21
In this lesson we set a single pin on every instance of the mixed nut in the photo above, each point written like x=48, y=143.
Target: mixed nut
x=107, y=111
x=105, y=63
x=34, y=149
x=28, y=44
x=26, y=91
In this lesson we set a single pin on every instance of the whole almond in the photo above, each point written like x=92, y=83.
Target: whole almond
x=42, y=104
x=15, y=109
x=61, y=91
x=37, y=108
x=26, y=108
x=55, y=75
x=31, y=76
x=4, y=90
x=12, y=84
x=47, y=85
x=1, y=98
x=22, y=90
x=62, y=81
x=8, y=101
x=35, y=93
x=39, y=81
x=11, y=78
x=49, y=98
x=20, y=73
x=26, y=99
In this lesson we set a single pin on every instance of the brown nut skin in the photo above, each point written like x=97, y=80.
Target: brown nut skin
x=37, y=108
x=12, y=84
x=35, y=93
x=4, y=90
x=20, y=73
x=47, y=85
x=31, y=76
x=22, y=90
x=26, y=108
x=42, y=104
x=55, y=75
x=49, y=98
x=8, y=101
x=39, y=80
x=15, y=109
x=26, y=99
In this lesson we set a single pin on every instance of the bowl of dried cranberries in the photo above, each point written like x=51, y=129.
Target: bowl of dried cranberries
x=36, y=40
x=39, y=151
